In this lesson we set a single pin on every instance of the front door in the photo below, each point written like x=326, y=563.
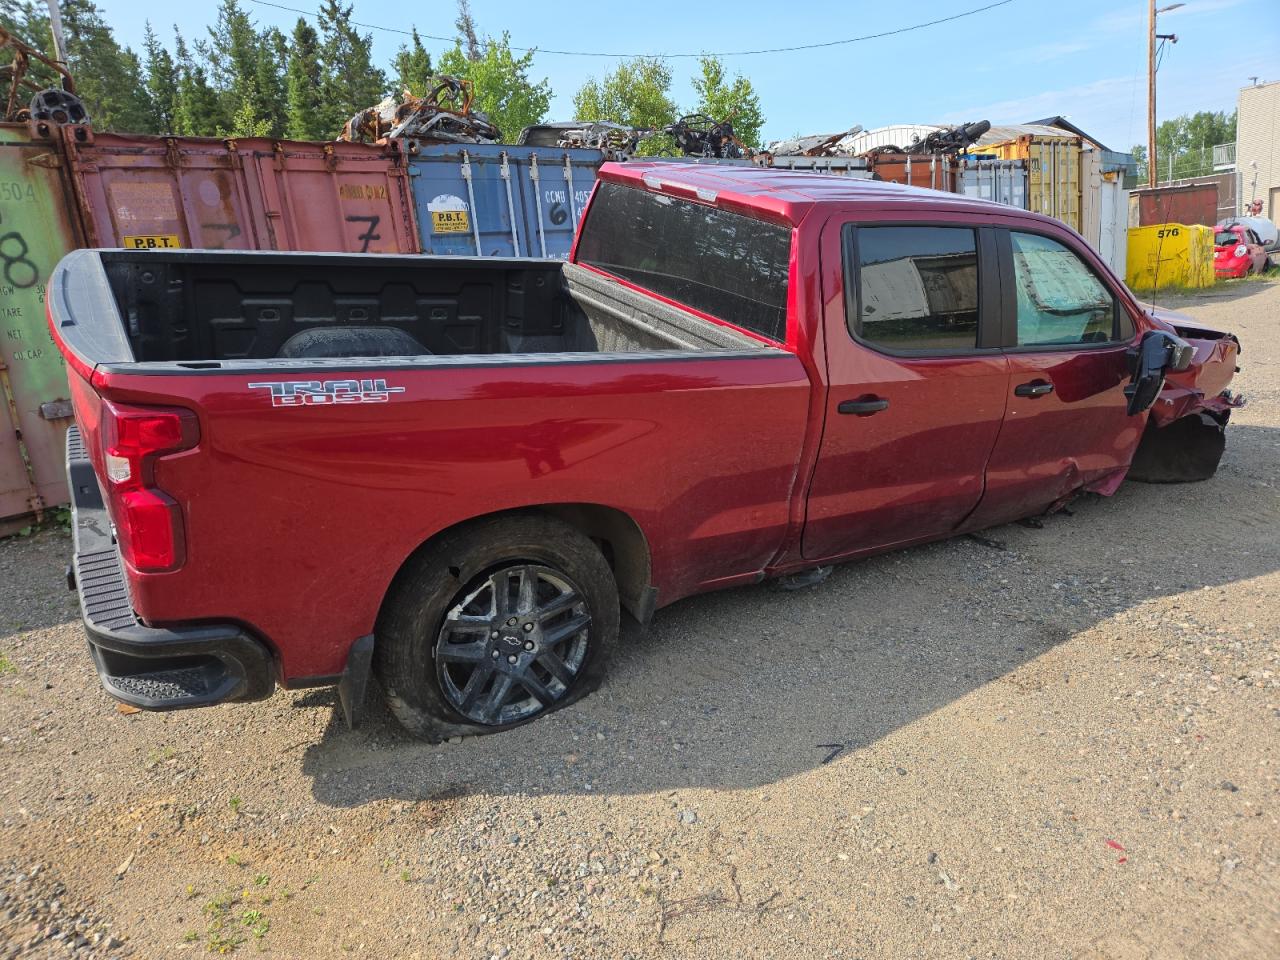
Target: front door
x=1066, y=426
x=917, y=383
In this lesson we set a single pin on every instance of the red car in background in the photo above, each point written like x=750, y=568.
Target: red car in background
x=1237, y=251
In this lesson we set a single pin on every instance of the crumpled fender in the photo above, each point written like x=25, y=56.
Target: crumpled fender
x=1203, y=386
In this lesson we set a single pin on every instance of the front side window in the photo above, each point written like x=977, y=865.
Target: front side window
x=917, y=288
x=725, y=264
x=1061, y=302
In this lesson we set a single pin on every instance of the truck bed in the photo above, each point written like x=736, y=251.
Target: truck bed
x=203, y=308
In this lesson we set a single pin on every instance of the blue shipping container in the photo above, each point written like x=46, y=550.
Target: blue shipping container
x=501, y=200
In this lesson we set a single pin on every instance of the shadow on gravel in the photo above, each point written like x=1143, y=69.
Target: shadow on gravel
x=35, y=592
x=754, y=685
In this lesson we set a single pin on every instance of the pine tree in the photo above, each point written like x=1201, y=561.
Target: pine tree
x=350, y=81
x=412, y=65
x=466, y=24
x=161, y=83
x=235, y=53
x=197, y=112
x=303, y=80
x=108, y=77
x=270, y=94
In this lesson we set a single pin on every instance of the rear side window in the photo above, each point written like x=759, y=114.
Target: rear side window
x=917, y=288
x=724, y=264
x=1060, y=300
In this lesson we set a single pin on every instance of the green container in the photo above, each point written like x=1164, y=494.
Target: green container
x=38, y=226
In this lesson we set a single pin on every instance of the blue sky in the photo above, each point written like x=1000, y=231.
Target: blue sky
x=1084, y=59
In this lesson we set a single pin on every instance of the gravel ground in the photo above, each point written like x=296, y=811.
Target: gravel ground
x=1053, y=742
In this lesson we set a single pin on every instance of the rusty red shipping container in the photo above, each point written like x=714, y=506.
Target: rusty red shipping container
x=242, y=194
x=1193, y=203
x=935, y=171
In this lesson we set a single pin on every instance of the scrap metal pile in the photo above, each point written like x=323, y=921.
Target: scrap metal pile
x=698, y=135
x=615, y=140
x=818, y=145
x=945, y=140
x=30, y=100
x=444, y=115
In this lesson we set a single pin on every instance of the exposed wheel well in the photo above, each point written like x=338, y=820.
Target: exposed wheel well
x=619, y=538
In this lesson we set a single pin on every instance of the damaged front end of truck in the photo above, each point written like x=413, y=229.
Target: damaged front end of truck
x=1186, y=431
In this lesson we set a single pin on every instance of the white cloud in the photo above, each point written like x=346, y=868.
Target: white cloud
x=1114, y=109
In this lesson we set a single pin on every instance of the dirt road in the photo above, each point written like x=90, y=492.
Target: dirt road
x=1056, y=742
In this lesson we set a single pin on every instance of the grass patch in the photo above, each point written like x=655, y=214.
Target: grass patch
x=6, y=666
x=231, y=918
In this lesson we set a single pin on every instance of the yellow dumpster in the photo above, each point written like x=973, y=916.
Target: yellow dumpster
x=1170, y=255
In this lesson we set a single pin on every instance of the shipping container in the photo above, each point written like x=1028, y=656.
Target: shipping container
x=1170, y=254
x=1189, y=203
x=935, y=171
x=841, y=166
x=500, y=199
x=1104, y=210
x=1053, y=169
x=242, y=194
x=1004, y=181
x=349, y=197
x=38, y=226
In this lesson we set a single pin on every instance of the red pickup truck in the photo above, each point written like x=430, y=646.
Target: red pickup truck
x=303, y=469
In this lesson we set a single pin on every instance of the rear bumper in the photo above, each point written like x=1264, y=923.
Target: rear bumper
x=153, y=668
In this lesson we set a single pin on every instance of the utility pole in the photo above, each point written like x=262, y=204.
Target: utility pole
x=1151, y=96
x=1152, y=36
x=55, y=24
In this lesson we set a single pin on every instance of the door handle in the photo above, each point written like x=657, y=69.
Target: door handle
x=863, y=406
x=1036, y=388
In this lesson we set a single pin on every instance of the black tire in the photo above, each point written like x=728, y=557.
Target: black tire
x=427, y=610
x=1186, y=451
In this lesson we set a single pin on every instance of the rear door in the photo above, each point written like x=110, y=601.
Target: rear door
x=917, y=382
x=1066, y=332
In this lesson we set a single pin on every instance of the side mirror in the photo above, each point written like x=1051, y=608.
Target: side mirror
x=1158, y=353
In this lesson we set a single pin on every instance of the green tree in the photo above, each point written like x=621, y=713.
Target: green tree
x=303, y=80
x=350, y=81
x=108, y=76
x=29, y=21
x=1184, y=145
x=197, y=111
x=736, y=101
x=637, y=93
x=244, y=71
x=245, y=122
x=161, y=83
x=501, y=84
x=412, y=65
x=269, y=88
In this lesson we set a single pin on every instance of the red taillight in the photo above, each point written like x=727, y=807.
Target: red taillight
x=148, y=521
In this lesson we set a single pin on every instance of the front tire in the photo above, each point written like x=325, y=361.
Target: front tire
x=494, y=625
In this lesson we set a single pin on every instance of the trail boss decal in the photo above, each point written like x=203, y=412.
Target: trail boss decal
x=311, y=393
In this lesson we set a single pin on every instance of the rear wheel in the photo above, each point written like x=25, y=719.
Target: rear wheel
x=495, y=625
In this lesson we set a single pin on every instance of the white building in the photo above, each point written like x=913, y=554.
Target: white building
x=1258, y=147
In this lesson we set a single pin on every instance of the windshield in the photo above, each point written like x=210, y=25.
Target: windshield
x=1225, y=239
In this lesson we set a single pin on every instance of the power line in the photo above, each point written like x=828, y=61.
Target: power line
x=731, y=53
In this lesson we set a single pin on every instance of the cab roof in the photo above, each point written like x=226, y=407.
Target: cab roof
x=787, y=196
